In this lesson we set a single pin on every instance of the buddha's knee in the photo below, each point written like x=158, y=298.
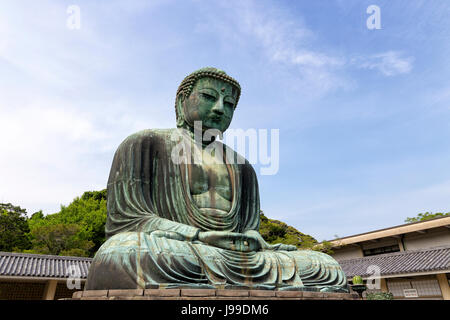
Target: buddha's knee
x=315, y=255
x=121, y=242
x=114, y=264
x=307, y=259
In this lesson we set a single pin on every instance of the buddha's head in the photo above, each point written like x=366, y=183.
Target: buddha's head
x=208, y=95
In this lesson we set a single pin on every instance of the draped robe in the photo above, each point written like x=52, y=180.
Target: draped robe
x=153, y=222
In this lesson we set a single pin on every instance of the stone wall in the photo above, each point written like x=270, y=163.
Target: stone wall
x=208, y=294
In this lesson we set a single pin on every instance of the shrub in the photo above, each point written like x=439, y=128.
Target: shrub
x=379, y=296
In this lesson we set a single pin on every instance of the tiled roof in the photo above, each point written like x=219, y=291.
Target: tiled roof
x=404, y=262
x=36, y=265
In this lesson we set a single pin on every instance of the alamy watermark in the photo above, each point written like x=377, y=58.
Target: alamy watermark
x=251, y=144
x=74, y=18
x=374, y=20
x=74, y=277
x=374, y=281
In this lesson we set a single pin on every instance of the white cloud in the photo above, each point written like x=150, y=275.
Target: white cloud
x=51, y=151
x=59, y=123
x=389, y=63
x=306, y=58
x=284, y=39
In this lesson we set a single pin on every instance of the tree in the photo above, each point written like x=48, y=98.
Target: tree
x=426, y=216
x=274, y=231
x=87, y=212
x=13, y=228
x=379, y=296
x=59, y=239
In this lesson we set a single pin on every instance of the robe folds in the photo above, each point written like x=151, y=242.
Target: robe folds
x=153, y=223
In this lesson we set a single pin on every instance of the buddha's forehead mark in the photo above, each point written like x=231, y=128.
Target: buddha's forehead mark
x=216, y=84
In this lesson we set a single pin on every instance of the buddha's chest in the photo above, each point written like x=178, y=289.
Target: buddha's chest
x=210, y=183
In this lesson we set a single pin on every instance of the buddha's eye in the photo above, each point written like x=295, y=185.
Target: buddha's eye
x=208, y=97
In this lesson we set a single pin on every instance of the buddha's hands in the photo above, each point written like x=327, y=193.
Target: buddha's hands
x=230, y=240
x=168, y=235
x=249, y=241
x=266, y=246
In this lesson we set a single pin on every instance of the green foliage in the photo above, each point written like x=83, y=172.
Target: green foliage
x=84, y=232
x=274, y=231
x=379, y=296
x=96, y=195
x=325, y=247
x=13, y=228
x=357, y=280
x=59, y=239
x=426, y=216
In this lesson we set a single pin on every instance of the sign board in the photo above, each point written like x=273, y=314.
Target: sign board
x=410, y=293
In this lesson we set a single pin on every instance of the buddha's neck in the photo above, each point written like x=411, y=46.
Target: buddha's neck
x=198, y=138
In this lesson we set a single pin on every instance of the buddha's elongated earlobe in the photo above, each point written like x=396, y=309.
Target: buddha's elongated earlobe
x=180, y=111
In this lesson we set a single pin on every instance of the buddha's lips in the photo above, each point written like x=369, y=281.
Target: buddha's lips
x=215, y=118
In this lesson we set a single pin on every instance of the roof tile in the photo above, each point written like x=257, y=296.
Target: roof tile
x=425, y=260
x=36, y=265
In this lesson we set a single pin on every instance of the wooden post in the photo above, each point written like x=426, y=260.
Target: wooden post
x=50, y=289
x=400, y=244
x=383, y=285
x=443, y=283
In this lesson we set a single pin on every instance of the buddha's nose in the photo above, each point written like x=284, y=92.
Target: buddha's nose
x=218, y=107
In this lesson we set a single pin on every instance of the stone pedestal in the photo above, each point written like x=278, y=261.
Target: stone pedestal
x=208, y=294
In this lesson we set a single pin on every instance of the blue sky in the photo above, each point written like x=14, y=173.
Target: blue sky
x=363, y=114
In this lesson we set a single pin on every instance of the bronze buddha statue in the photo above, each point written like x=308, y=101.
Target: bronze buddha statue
x=176, y=222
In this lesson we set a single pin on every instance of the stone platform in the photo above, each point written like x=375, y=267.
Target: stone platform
x=208, y=294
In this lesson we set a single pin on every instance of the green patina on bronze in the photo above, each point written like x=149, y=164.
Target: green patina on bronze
x=190, y=224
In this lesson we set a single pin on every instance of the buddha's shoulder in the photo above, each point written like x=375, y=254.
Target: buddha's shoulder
x=149, y=135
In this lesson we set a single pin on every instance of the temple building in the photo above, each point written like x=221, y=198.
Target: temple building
x=411, y=261
x=41, y=277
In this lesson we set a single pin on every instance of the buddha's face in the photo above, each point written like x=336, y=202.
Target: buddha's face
x=212, y=101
